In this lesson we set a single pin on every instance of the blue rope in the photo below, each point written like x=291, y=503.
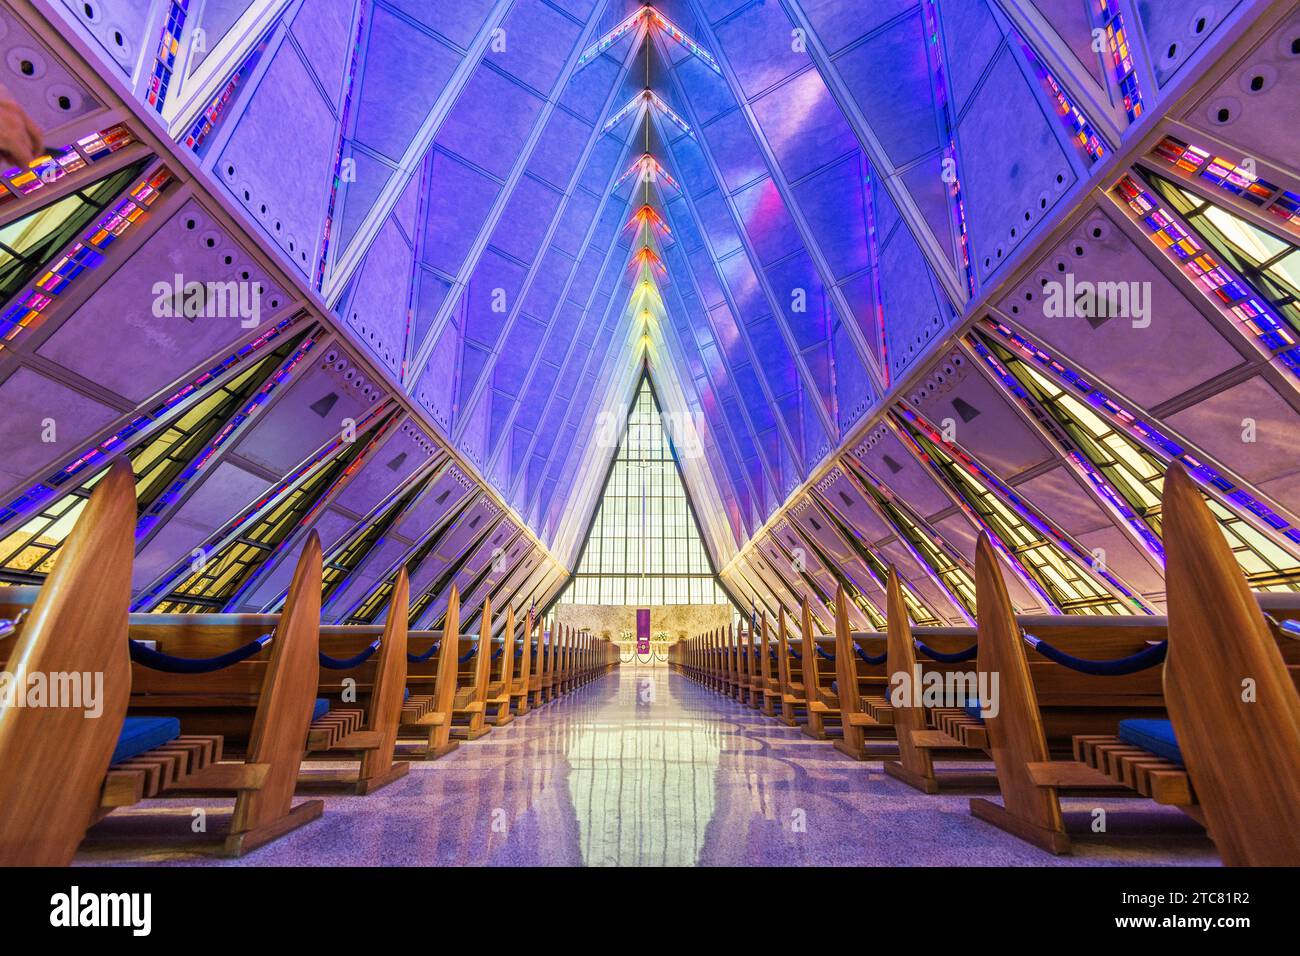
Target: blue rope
x=1288, y=626
x=347, y=663
x=942, y=658
x=9, y=625
x=464, y=658
x=157, y=661
x=498, y=652
x=867, y=658
x=421, y=658
x=825, y=655
x=797, y=655
x=1148, y=657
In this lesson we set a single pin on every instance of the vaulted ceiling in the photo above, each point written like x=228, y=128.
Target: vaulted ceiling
x=825, y=226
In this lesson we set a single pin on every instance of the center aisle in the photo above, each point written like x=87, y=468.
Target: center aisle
x=647, y=768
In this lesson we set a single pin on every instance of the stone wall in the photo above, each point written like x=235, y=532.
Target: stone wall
x=677, y=621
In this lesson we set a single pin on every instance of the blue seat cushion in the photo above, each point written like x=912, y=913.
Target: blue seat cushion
x=1156, y=736
x=320, y=708
x=835, y=687
x=406, y=693
x=144, y=733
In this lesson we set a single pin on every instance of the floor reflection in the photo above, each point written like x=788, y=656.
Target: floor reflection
x=642, y=776
x=647, y=768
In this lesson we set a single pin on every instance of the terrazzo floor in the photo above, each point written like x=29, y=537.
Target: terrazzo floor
x=647, y=768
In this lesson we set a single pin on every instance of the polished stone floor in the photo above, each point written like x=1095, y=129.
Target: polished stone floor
x=647, y=768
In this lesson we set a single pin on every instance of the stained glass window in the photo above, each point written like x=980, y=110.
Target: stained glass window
x=644, y=545
x=27, y=244
x=27, y=553
x=928, y=547
x=1270, y=264
x=1137, y=476
x=917, y=609
x=1056, y=577
x=248, y=541
x=347, y=557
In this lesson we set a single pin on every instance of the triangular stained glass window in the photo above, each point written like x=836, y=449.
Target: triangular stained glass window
x=643, y=547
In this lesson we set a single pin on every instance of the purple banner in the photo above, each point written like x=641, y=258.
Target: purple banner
x=643, y=630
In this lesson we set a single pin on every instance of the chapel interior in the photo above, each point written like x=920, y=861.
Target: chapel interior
x=650, y=432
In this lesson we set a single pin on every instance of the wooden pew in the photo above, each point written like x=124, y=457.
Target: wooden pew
x=752, y=671
x=546, y=676
x=550, y=684
x=1068, y=702
x=1028, y=780
x=862, y=686
x=520, y=686
x=59, y=767
x=736, y=679
x=768, y=671
x=53, y=761
x=554, y=652
x=564, y=662
x=537, y=679
x=469, y=708
x=432, y=675
x=722, y=662
x=740, y=664
x=501, y=680
x=579, y=660
x=718, y=665
x=875, y=721
x=790, y=673
x=581, y=665
x=370, y=731
x=821, y=705
x=283, y=689
x=1232, y=746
